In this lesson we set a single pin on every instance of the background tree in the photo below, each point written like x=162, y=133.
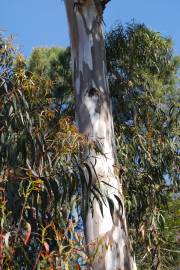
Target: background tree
x=54, y=65
x=144, y=86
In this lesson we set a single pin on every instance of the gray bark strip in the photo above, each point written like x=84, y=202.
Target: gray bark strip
x=94, y=117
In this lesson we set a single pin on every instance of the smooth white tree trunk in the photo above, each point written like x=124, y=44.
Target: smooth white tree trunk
x=94, y=117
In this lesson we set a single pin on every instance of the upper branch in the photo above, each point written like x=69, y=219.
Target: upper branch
x=104, y=3
x=100, y=4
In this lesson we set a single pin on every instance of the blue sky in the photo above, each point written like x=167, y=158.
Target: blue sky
x=43, y=22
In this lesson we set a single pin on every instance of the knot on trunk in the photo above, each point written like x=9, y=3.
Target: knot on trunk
x=79, y=3
x=94, y=92
x=93, y=99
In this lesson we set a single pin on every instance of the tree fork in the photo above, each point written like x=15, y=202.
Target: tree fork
x=94, y=118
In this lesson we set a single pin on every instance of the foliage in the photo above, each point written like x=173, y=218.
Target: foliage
x=40, y=154
x=39, y=174
x=172, y=233
x=143, y=77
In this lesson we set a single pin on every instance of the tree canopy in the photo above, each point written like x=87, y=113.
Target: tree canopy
x=39, y=170
x=53, y=64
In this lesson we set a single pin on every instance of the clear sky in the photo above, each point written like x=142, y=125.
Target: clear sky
x=43, y=22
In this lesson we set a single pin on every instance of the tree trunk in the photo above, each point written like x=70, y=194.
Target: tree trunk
x=94, y=117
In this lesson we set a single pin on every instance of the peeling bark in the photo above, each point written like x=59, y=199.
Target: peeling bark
x=94, y=117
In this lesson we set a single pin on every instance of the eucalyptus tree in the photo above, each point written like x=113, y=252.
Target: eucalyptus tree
x=142, y=72
x=105, y=222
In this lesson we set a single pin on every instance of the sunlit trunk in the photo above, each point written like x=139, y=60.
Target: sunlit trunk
x=94, y=117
